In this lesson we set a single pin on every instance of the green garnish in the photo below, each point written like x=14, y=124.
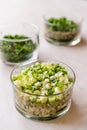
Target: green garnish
x=61, y=29
x=38, y=78
x=15, y=37
x=63, y=24
x=17, y=51
x=43, y=88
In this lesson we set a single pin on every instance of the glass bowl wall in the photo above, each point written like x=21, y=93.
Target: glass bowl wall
x=31, y=106
x=18, y=42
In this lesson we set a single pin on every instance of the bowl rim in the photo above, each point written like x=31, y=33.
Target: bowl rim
x=53, y=12
x=39, y=60
x=18, y=40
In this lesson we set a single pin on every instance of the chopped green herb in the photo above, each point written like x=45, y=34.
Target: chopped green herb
x=17, y=51
x=36, y=78
x=43, y=94
x=63, y=25
x=61, y=29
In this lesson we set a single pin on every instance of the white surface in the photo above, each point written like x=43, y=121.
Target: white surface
x=31, y=11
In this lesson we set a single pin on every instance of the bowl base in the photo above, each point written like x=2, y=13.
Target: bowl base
x=60, y=113
x=32, y=57
x=66, y=43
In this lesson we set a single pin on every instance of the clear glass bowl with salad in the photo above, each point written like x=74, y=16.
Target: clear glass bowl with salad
x=18, y=42
x=62, y=28
x=43, y=89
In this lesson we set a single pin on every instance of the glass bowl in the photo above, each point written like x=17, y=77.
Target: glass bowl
x=18, y=42
x=42, y=89
x=62, y=28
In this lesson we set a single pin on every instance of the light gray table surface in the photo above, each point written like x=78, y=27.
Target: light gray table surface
x=31, y=11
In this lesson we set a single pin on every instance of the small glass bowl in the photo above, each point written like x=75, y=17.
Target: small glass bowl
x=30, y=106
x=18, y=42
x=62, y=33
